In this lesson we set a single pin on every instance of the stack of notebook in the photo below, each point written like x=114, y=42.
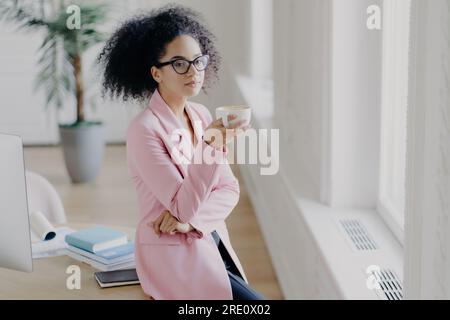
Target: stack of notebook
x=103, y=248
x=116, y=278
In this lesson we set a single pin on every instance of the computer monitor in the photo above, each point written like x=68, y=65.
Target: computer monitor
x=15, y=241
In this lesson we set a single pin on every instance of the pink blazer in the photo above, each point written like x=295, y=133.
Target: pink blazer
x=180, y=266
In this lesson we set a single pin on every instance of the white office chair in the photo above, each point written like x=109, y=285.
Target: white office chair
x=43, y=197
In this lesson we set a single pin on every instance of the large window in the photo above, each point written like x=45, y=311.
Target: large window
x=257, y=86
x=391, y=201
x=261, y=39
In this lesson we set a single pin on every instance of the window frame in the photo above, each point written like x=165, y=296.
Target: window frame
x=393, y=131
x=261, y=39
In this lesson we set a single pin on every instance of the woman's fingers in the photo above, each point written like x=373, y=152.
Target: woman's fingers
x=218, y=123
x=156, y=224
x=222, y=135
x=239, y=128
x=173, y=229
x=165, y=223
x=157, y=227
x=168, y=226
x=231, y=117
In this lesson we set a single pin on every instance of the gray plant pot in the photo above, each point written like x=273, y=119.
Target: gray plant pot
x=83, y=148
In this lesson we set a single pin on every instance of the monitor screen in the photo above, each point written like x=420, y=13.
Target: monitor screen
x=15, y=243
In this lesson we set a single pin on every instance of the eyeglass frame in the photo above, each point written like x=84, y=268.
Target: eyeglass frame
x=191, y=62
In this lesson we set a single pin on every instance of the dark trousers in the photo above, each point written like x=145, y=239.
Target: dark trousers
x=241, y=290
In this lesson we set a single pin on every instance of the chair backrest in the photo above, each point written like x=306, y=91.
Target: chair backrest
x=43, y=197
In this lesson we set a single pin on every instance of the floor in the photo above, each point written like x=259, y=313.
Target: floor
x=111, y=199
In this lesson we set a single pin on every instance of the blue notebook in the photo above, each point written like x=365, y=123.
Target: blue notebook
x=96, y=239
x=109, y=256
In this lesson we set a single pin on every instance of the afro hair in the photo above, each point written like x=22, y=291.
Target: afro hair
x=140, y=42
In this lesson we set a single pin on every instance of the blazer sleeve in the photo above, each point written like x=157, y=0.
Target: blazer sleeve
x=222, y=199
x=183, y=197
x=217, y=206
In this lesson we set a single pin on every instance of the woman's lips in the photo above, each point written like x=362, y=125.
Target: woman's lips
x=192, y=84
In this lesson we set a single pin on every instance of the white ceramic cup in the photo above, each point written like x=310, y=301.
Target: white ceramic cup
x=242, y=112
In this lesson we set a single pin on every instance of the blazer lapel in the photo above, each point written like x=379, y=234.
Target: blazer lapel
x=197, y=123
x=176, y=141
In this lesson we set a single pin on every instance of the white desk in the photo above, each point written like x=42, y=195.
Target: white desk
x=48, y=280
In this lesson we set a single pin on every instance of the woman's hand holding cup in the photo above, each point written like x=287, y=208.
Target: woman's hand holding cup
x=217, y=135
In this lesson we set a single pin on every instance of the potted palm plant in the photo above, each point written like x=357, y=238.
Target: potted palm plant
x=60, y=71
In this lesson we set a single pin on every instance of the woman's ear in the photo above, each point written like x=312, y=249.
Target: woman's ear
x=154, y=72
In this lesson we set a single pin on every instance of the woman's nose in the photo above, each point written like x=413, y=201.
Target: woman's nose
x=192, y=70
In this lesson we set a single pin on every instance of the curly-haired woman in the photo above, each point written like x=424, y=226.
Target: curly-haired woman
x=183, y=250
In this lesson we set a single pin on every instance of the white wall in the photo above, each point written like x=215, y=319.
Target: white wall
x=427, y=219
x=300, y=69
x=327, y=99
x=354, y=110
x=21, y=111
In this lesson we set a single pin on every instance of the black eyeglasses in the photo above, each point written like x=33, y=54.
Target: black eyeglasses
x=181, y=66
